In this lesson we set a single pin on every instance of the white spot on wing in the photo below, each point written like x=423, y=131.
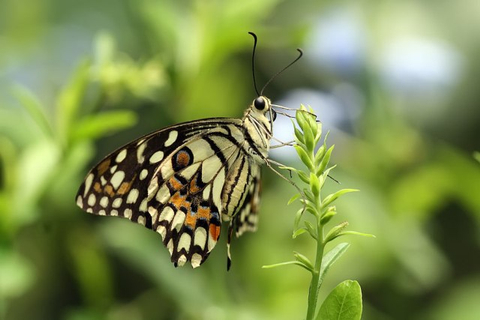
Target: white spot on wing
x=88, y=184
x=141, y=148
x=210, y=168
x=114, y=213
x=141, y=220
x=132, y=196
x=121, y=156
x=196, y=260
x=156, y=157
x=163, y=231
x=117, y=203
x=172, y=136
x=178, y=220
x=143, y=205
x=181, y=260
x=163, y=194
x=143, y=174
x=206, y=192
x=113, y=169
x=91, y=200
x=200, y=237
x=80, y=201
x=117, y=179
x=102, y=212
x=167, y=214
x=104, y=202
x=184, y=242
x=170, y=246
x=127, y=213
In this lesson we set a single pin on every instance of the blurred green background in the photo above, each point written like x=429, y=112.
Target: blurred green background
x=395, y=82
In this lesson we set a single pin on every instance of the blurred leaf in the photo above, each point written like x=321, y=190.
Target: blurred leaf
x=16, y=274
x=70, y=99
x=34, y=108
x=98, y=125
x=36, y=166
x=343, y=303
x=331, y=257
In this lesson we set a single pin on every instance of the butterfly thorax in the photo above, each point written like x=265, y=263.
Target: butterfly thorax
x=258, y=128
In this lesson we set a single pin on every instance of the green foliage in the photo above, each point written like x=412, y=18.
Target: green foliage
x=343, y=303
x=307, y=138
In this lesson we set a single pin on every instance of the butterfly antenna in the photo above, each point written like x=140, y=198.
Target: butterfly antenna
x=279, y=72
x=253, y=61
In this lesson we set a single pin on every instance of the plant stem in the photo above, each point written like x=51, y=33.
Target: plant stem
x=315, y=282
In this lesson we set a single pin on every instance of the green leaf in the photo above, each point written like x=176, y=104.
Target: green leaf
x=292, y=199
x=302, y=154
x=281, y=264
x=334, y=196
x=331, y=257
x=325, y=161
x=303, y=176
x=331, y=211
x=34, y=108
x=355, y=233
x=311, y=229
x=97, y=125
x=303, y=259
x=70, y=100
x=298, y=232
x=335, y=231
x=343, y=303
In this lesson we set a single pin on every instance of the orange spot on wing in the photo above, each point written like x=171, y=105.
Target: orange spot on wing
x=109, y=190
x=203, y=213
x=180, y=201
x=175, y=183
x=214, y=231
x=183, y=159
x=103, y=167
x=97, y=187
x=193, y=186
x=124, y=188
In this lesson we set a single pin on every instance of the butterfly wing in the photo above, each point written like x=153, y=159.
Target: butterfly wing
x=170, y=181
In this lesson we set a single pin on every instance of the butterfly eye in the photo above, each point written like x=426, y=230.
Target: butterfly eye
x=259, y=103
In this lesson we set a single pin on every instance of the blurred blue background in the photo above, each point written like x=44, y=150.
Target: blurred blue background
x=395, y=83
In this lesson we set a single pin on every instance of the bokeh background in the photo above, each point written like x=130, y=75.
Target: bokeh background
x=395, y=82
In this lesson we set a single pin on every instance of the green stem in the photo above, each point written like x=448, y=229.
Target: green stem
x=315, y=283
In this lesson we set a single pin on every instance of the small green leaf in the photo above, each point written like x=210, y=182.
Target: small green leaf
x=314, y=185
x=292, y=199
x=343, y=303
x=287, y=263
x=298, y=232
x=331, y=211
x=311, y=229
x=34, y=108
x=319, y=155
x=303, y=259
x=302, y=154
x=335, y=231
x=298, y=217
x=355, y=233
x=71, y=98
x=331, y=257
x=303, y=176
x=325, y=161
x=334, y=196
x=97, y=125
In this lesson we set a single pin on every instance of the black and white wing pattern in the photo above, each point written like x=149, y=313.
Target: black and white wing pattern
x=182, y=181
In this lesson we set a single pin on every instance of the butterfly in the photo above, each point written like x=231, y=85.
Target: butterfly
x=183, y=181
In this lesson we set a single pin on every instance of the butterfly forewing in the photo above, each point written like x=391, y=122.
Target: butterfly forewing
x=179, y=181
